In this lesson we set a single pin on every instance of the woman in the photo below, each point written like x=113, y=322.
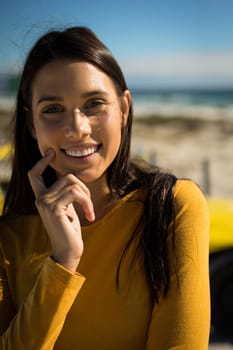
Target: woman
x=96, y=251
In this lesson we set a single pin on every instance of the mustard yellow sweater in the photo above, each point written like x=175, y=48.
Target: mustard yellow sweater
x=44, y=306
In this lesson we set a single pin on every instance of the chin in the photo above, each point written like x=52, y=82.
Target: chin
x=90, y=178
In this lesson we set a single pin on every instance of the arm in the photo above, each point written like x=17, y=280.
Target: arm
x=40, y=318
x=181, y=321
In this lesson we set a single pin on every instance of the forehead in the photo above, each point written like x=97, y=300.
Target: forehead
x=64, y=76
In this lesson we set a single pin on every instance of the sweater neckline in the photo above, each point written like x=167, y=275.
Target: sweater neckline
x=110, y=212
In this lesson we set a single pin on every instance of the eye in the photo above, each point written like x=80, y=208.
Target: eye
x=53, y=109
x=94, y=104
x=95, y=107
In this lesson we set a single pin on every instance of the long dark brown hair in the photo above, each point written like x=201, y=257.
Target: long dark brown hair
x=123, y=176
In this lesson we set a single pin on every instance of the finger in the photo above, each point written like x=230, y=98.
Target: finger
x=63, y=185
x=35, y=174
x=67, y=180
x=85, y=202
x=56, y=191
x=59, y=202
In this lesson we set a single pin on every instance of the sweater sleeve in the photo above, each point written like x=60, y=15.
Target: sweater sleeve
x=181, y=320
x=40, y=318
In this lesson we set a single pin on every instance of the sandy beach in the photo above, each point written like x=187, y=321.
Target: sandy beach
x=198, y=147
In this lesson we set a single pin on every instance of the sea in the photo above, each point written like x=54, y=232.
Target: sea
x=186, y=102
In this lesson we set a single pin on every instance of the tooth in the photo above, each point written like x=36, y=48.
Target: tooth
x=85, y=152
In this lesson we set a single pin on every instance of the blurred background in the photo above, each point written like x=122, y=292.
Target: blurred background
x=177, y=57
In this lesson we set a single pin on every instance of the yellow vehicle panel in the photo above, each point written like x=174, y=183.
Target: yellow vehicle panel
x=221, y=224
x=5, y=151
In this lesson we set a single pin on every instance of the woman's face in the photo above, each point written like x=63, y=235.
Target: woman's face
x=77, y=112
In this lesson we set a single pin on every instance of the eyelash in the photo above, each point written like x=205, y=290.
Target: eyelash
x=51, y=109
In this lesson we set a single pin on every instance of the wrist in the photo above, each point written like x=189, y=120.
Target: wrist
x=69, y=264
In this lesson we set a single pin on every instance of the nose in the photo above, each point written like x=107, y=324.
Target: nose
x=79, y=125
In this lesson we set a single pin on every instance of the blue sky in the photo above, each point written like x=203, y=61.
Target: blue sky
x=165, y=42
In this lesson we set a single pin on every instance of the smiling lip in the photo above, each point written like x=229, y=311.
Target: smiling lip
x=79, y=152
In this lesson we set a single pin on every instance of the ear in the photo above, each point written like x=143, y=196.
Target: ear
x=126, y=103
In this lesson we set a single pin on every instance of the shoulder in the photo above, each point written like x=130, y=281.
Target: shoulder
x=187, y=194
x=18, y=227
x=191, y=211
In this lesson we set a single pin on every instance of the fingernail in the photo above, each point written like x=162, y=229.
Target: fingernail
x=92, y=216
x=49, y=152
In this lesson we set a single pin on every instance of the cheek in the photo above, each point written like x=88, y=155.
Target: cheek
x=111, y=135
x=46, y=138
x=110, y=130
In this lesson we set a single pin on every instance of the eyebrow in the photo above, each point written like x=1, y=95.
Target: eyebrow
x=84, y=95
x=49, y=98
x=94, y=93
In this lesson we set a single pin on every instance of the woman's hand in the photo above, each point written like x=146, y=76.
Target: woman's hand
x=55, y=205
